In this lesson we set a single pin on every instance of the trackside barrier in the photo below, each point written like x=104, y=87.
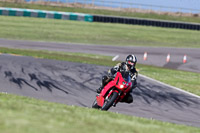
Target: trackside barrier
x=147, y=22
x=45, y=14
x=96, y=18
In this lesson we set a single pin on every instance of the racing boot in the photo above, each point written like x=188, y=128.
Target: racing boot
x=104, y=82
x=127, y=99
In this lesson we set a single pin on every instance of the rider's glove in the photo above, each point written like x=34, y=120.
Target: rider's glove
x=134, y=77
x=116, y=68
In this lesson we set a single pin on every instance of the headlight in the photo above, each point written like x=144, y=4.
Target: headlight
x=121, y=86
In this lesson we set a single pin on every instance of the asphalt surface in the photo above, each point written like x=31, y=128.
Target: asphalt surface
x=75, y=84
x=155, y=56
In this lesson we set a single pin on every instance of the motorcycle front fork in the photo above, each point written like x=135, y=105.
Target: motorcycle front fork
x=116, y=101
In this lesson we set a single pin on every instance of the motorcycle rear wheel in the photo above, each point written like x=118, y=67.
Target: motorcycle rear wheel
x=109, y=102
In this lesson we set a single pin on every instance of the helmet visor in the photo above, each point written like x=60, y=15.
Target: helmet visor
x=131, y=63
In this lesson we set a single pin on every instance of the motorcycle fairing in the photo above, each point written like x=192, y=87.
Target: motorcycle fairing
x=114, y=83
x=101, y=97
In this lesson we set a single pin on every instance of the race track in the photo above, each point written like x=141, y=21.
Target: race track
x=75, y=84
x=156, y=55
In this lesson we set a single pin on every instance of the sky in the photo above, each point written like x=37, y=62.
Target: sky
x=178, y=4
x=194, y=4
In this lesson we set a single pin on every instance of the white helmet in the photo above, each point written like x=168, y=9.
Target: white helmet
x=131, y=61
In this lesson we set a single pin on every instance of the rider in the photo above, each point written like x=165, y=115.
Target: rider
x=129, y=65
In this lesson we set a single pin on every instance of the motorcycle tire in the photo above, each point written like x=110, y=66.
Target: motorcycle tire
x=109, y=102
x=95, y=105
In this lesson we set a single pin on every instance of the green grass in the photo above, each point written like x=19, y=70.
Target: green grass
x=188, y=81
x=103, y=12
x=95, y=33
x=26, y=115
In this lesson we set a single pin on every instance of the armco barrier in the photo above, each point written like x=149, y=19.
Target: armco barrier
x=147, y=22
x=45, y=14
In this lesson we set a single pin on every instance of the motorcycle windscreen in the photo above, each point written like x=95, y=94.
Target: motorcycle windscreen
x=126, y=76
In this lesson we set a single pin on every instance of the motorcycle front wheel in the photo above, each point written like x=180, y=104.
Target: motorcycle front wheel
x=109, y=102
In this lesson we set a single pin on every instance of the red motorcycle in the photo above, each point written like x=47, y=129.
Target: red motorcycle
x=114, y=91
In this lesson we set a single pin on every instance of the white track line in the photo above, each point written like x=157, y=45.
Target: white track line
x=169, y=86
x=114, y=58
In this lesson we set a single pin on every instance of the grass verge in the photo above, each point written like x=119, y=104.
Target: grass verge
x=188, y=81
x=28, y=115
x=102, y=12
x=95, y=33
